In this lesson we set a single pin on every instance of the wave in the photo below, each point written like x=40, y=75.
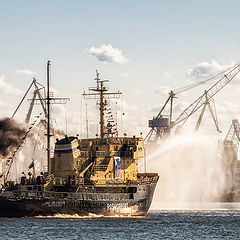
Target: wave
x=90, y=215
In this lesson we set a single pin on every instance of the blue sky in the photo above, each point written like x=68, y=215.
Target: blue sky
x=161, y=40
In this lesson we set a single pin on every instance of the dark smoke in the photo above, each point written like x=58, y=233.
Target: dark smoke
x=11, y=134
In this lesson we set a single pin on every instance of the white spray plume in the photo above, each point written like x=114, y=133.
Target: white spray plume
x=189, y=168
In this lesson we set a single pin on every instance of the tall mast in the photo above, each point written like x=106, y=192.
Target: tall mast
x=101, y=89
x=102, y=106
x=48, y=114
x=51, y=100
x=102, y=95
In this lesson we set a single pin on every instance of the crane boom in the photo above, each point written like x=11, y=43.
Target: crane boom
x=231, y=145
x=233, y=132
x=192, y=108
x=211, y=107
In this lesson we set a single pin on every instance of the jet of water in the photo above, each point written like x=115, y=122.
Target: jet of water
x=190, y=169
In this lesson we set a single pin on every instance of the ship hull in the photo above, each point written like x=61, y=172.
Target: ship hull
x=52, y=203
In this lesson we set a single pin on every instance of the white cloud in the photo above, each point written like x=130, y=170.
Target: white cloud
x=163, y=90
x=156, y=108
x=125, y=107
x=6, y=88
x=227, y=106
x=179, y=107
x=205, y=70
x=5, y=108
x=137, y=91
x=26, y=72
x=107, y=54
x=126, y=74
x=129, y=74
x=166, y=75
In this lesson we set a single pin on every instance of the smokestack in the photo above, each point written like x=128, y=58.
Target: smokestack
x=11, y=134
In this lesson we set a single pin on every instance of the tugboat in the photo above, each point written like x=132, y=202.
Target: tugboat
x=85, y=176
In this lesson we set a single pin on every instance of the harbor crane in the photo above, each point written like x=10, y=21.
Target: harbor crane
x=210, y=104
x=161, y=125
x=230, y=164
x=39, y=91
x=231, y=143
x=39, y=98
x=43, y=98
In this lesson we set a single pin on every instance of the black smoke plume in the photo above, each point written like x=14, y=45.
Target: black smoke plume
x=11, y=134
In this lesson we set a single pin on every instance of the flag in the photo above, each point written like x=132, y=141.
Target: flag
x=31, y=165
x=117, y=163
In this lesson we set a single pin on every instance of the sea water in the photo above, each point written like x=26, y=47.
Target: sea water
x=161, y=224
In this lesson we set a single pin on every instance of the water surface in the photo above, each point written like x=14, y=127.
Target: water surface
x=165, y=224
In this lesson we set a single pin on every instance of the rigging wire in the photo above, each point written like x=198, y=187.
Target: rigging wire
x=36, y=141
x=66, y=124
x=193, y=85
x=13, y=155
x=42, y=146
x=116, y=111
x=15, y=166
x=97, y=126
x=121, y=107
x=97, y=117
x=86, y=119
x=55, y=121
x=80, y=120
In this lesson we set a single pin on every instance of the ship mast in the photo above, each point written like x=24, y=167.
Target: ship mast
x=102, y=103
x=50, y=100
x=102, y=95
x=48, y=114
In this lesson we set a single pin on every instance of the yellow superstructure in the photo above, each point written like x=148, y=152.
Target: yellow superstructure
x=88, y=160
